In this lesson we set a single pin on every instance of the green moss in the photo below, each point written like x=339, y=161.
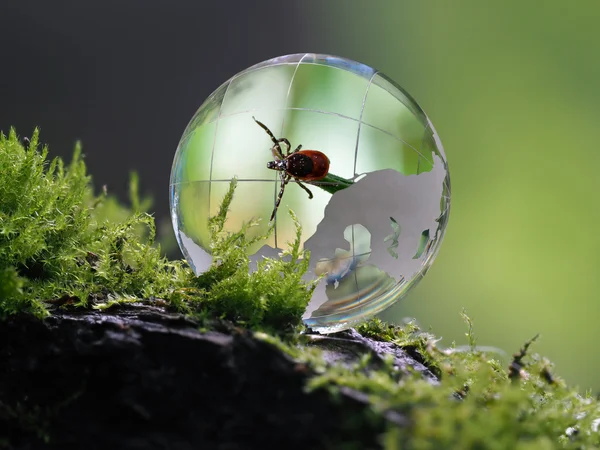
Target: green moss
x=272, y=297
x=60, y=244
x=476, y=405
x=479, y=403
x=409, y=337
x=57, y=244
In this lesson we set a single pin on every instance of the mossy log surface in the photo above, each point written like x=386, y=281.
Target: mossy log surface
x=141, y=378
x=347, y=347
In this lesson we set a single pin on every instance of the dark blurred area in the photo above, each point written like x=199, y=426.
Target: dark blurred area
x=126, y=77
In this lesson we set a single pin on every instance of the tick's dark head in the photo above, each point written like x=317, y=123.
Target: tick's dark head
x=276, y=165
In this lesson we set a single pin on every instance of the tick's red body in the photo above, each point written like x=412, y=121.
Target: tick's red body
x=301, y=165
x=307, y=165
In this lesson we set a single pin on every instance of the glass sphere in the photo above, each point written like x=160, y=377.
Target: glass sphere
x=374, y=223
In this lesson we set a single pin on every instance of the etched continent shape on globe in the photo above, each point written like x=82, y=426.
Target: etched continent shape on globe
x=372, y=236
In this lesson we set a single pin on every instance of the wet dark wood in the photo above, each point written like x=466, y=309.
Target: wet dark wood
x=141, y=378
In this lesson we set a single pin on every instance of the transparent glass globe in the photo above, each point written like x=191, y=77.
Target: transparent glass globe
x=374, y=224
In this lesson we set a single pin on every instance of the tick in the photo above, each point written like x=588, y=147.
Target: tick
x=301, y=165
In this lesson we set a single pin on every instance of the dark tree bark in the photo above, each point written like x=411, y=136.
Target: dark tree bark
x=140, y=378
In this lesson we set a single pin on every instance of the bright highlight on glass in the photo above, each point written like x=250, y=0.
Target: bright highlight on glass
x=374, y=224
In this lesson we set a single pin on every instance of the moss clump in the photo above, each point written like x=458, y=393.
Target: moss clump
x=272, y=297
x=477, y=404
x=59, y=243
x=55, y=244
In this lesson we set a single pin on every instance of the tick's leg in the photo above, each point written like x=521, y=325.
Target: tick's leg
x=286, y=142
x=297, y=149
x=273, y=138
x=287, y=150
x=277, y=154
x=276, y=148
x=284, y=181
x=310, y=195
x=264, y=127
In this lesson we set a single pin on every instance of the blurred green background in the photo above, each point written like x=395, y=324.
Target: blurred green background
x=513, y=91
